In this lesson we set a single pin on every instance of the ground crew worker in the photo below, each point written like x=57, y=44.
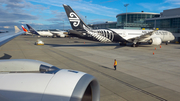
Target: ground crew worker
x=115, y=64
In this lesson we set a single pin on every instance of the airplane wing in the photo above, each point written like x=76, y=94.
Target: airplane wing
x=6, y=37
x=33, y=80
x=142, y=37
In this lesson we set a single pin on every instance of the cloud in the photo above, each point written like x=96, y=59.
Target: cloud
x=15, y=12
x=6, y=16
x=149, y=6
x=52, y=26
x=20, y=10
x=83, y=6
x=59, y=16
x=167, y=4
x=38, y=12
x=6, y=26
x=173, y=2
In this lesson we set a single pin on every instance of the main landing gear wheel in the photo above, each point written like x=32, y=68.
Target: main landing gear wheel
x=54, y=36
x=122, y=44
x=167, y=43
x=135, y=45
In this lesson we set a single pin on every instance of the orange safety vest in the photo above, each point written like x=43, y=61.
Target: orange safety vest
x=115, y=63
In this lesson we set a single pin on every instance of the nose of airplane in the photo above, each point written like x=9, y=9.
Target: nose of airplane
x=172, y=37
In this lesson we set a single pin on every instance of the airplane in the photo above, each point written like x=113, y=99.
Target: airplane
x=80, y=29
x=52, y=34
x=33, y=80
x=40, y=33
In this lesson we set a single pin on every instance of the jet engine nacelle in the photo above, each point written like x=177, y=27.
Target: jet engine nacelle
x=49, y=83
x=155, y=41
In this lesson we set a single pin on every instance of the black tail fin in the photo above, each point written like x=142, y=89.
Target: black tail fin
x=76, y=22
x=80, y=27
x=32, y=30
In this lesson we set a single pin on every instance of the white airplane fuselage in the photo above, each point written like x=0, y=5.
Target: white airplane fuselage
x=59, y=33
x=129, y=34
x=45, y=33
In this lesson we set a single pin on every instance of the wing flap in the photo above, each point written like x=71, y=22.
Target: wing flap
x=142, y=37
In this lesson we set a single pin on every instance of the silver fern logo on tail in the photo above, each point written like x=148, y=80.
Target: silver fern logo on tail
x=73, y=18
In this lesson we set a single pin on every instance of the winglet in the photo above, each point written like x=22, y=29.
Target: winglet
x=16, y=29
x=32, y=30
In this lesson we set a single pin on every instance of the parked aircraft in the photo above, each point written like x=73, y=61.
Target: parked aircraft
x=40, y=33
x=49, y=33
x=32, y=80
x=154, y=37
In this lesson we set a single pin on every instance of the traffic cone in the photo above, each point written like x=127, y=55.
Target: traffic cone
x=153, y=53
x=84, y=42
x=155, y=48
x=160, y=46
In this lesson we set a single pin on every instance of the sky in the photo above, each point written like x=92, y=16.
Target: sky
x=50, y=14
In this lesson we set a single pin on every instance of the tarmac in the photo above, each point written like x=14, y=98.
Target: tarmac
x=140, y=75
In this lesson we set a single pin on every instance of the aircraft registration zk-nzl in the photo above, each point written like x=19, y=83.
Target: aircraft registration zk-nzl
x=33, y=80
x=154, y=37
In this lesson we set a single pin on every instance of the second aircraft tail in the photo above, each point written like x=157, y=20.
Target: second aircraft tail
x=32, y=30
x=24, y=28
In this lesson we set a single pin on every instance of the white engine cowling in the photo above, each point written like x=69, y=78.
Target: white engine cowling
x=44, y=82
x=155, y=41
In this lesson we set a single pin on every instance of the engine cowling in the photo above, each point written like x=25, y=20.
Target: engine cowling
x=49, y=83
x=155, y=41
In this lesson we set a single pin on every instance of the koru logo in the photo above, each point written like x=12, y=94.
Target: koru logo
x=73, y=18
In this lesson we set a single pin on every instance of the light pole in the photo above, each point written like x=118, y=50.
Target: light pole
x=63, y=25
x=125, y=5
x=86, y=19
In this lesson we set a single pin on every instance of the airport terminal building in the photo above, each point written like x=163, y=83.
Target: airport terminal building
x=167, y=20
x=135, y=20
x=107, y=24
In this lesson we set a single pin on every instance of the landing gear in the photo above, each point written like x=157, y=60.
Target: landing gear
x=54, y=36
x=122, y=44
x=135, y=45
x=167, y=42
